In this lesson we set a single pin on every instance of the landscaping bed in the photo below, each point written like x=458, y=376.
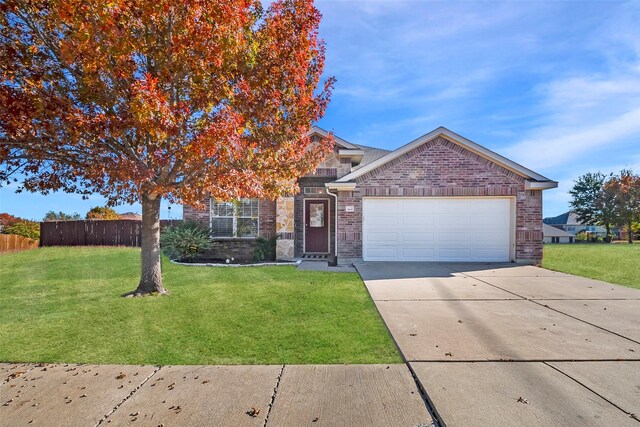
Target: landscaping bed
x=64, y=304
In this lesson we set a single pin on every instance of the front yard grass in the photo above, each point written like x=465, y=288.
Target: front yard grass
x=64, y=305
x=614, y=263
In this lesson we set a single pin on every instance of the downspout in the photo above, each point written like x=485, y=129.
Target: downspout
x=335, y=237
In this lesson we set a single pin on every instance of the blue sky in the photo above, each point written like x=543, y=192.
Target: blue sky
x=554, y=86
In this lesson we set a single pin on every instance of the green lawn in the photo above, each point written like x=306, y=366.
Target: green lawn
x=64, y=305
x=613, y=263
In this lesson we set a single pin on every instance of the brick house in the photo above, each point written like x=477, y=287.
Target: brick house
x=440, y=197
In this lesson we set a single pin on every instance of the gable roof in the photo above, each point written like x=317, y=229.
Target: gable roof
x=371, y=154
x=341, y=142
x=534, y=180
x=561, y=219
x=549, y=231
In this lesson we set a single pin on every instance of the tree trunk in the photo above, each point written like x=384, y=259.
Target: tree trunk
x=151, y=272
x=630, y=232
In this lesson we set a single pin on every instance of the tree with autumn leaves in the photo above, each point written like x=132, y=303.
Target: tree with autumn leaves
x=144, y=101
x=624, y=192
x=605, y=200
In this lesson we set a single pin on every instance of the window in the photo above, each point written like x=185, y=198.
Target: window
x=234, y=219
x=316, y=215
x=555, y=240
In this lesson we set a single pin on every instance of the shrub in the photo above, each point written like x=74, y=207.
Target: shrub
x=265, y=249
x=25, y=228
x=185, y=241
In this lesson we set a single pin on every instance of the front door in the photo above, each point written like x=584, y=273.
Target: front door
x=316, y=226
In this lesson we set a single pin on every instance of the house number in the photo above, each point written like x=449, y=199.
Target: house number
x=349, y=209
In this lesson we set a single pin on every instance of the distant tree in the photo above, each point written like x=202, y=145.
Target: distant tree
x=8, y=219
x=590, y=203
x=624, y=192
x=102, y=212
x=61, y=216
x=25, y=228
x=144, y=100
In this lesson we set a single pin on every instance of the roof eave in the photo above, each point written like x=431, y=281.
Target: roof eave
x=540, y=185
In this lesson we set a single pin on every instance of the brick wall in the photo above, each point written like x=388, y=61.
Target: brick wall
x=266, y=216
x=201, y=216
x=440, y=168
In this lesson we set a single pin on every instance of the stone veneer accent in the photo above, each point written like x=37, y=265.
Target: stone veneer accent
x=440, y=168
x=285, y=229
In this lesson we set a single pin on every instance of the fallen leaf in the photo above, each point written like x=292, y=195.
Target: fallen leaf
x=121, y=376
x=15, y=375
x=253, y=412
x=523, y=400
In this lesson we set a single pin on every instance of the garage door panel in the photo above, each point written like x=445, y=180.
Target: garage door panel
x=384, y=220
x=454, y=254
x=416, y=220
x=488, y=254
x=418, y=237
x=454, y=236
x=436, y=229
x=450, y=219
x=491, y=238
x=378, y=236
x=381, y=254
x=489, y=221
x=417, y=254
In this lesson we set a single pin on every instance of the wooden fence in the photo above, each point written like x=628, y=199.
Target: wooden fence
x=13, y=242
x=117, y=232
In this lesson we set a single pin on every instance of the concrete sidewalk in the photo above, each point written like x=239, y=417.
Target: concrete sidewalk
x=513, y=345
x=280, y=395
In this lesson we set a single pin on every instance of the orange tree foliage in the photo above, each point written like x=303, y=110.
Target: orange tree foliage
x=174, y=99
x=624, y=191
x=100, y=212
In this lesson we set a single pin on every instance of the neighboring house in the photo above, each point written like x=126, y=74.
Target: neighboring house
x=441, y=197
x=130, y=215
x=568, y=222
x=555, y=235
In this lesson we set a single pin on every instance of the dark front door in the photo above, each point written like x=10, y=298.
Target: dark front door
x=316, y=226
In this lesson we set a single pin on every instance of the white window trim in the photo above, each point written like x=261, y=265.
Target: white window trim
x=235, y=223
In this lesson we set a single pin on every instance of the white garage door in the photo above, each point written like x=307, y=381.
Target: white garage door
x=436, y=229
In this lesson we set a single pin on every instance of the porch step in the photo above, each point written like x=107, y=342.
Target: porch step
x=314, y=256
x=314, y=265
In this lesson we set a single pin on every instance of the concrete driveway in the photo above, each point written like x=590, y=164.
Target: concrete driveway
x=507, y=344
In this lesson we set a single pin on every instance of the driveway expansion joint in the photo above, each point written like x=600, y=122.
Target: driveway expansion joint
x=584, y=321
x=634, y=416
x=437, y=419
x=127, y=397
x=273, y=396
x=535, y=301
